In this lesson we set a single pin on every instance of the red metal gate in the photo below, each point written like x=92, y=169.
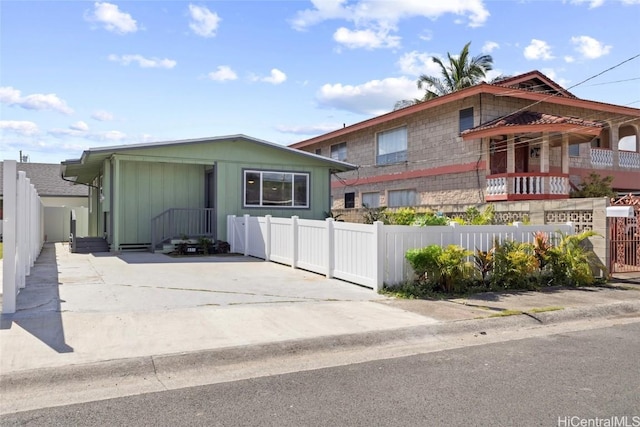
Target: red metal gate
x=624, y=244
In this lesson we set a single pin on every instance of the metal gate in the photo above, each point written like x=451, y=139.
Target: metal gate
x=624, y=244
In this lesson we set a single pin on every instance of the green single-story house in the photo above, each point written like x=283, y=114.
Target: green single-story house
x=144, y=195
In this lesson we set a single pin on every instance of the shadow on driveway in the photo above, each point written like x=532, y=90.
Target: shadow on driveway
x=38, y=304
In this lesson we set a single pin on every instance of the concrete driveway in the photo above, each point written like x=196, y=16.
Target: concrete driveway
x=81, y=308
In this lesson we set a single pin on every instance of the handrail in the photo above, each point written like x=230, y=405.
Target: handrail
x=178, y=222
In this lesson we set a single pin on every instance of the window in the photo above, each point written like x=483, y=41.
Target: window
x=281, y=189
x=398, y=198
x=391, y=146
x=371, y=200
x=349, y=200
x=339, y=151
x=595, y=143
x=466, y=119
x=574, y=150
x=319, y=151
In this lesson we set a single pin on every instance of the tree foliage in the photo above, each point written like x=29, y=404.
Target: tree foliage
x=595, y=186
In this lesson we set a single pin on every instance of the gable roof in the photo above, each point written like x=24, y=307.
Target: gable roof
x=47, y=180
x=94, y=157
x=534, y=81
x=499, y=88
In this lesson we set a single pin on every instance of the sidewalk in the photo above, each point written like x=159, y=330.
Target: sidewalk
x=81, y=309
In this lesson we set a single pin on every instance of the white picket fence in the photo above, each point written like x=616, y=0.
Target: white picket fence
x=368, y=255
x=22, y=232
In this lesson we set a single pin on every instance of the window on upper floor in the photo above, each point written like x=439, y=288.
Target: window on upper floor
x=272, y=188
x=319, y=151
x=339, y=151
x=595, y=143
x=371, y=200
x=349, y=200
x=391, y=146
x=400, y=198
x=574, y=150
x=465, y=119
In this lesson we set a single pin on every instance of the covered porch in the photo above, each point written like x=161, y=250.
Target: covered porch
x=528, y=154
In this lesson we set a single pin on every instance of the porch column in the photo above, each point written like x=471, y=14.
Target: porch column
x=614, y=138
x=565, y=153
x=511, y=163
x=511, y=154
x=115, y=205
x=544, y=153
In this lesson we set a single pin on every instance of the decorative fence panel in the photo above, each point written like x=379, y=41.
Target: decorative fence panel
x=369, y=255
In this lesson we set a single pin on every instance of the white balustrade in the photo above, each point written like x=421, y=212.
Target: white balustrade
x=601, y=157
x=629, y=159
x=496, y=186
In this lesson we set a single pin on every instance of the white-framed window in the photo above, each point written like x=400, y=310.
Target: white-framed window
x=465, y=119
x=391, y=146
x=401, y=198
x=371, y=200
x=339, y=151
x=275, y=188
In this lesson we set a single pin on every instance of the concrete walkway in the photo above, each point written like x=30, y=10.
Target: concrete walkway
x=80, y=309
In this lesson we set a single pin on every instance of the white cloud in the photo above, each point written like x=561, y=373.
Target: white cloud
x=368, y=39
x=204, y=22
x=551, y=73
x=538, y=49
x=143, y=62
x=569, y=59
x=592, y=3
x=489, y=47
x=222, y=73
x=631, y=2
x=36, y=101
x=110, y=16
x=113, y=135
x=20, y=127
x=373, y=97
x=589, y=47
x=308, y=129
x=102, y=116
x=79, y=126
x=416, y=63
x=386, y=14
x=276, y=77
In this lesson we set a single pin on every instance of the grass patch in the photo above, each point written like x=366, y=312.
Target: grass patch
x=505, y=313
x=545, y=309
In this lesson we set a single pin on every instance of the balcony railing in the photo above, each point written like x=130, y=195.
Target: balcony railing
x=604, y=158
x=527, y=186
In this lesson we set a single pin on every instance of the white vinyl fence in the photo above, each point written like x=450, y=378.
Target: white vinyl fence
x=21, y=232
x=368, y=255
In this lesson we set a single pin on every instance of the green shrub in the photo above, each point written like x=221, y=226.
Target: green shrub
x=475, y=217
x=372, y=215
x=572, y=263
x=430, y=218
x=514, y=265
x=424, y=261
x=403, y=216
x=454, y=268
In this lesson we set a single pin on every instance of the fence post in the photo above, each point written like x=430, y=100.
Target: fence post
x=517, y=235
x=9, y=290
x=455, y=234
x=21, y=230
x=294, y=243
x=231, y=232
x=379, y=254
x=330, y=238
x=246, y=234
x=267, y=240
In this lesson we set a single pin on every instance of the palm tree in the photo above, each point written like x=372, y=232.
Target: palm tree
x=459, y=73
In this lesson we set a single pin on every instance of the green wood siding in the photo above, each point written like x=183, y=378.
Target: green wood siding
x=148, y=189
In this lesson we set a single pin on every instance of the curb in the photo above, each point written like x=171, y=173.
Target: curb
x=148, y=367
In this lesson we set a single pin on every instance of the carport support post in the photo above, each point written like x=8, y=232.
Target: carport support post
x=21, y=230
x=9, y=289
x=330, y=247
x=294, y=243
x=379, y=255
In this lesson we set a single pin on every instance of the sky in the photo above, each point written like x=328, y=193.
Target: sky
x=76, y=75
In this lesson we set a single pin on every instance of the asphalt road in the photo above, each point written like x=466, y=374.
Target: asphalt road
x=557, y=380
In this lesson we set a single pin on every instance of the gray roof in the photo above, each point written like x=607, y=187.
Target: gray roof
x=46, y=178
